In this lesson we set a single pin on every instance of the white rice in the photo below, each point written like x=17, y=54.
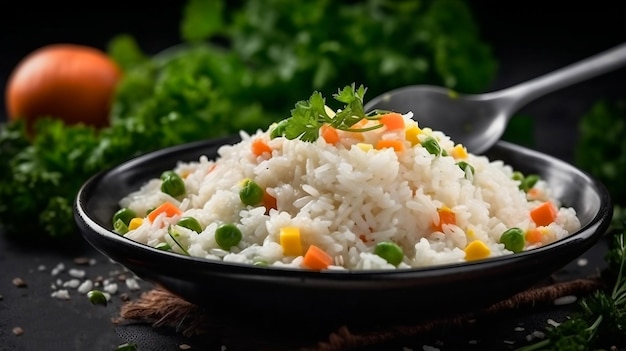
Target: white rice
x=344, y=199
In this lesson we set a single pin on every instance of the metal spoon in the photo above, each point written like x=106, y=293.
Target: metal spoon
x=479, y=120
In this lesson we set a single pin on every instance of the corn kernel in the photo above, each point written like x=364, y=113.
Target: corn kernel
x=135, y=223
x=476, y=250
x=411, y=134
x=459, y=152
x=364, y=146
x=470, y=234
x=290, y=241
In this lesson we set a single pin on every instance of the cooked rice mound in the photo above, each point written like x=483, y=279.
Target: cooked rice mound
x=348, y=196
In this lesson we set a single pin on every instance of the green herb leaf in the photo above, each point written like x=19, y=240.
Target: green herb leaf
x=201, y=19
x=602, y=322
x=125, y=51
x=308, y=116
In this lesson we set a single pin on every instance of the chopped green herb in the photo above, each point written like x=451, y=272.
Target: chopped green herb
x=526, y=182
x=432, y=146
x=190, y=223
x=120, y=227
x=124, y=215
x=175, y=236
x=163, y=246
x=602, y=323
x=127, y=347
x=467, y=168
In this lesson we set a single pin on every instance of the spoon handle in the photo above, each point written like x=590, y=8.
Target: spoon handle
x=518, y=95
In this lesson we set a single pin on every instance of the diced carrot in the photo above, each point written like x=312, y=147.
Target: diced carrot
x=534, y=236
x=167, y=207
x=397, y=145
x=259, y=147
x=268, y=202
x=534, y=193
x=543, y=214
x=315, y=258
x=393, y=121
x=446, y=216
x=329, y=134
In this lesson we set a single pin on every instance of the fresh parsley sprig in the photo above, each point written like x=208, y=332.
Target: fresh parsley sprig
x=602, y=322
x=310, y=115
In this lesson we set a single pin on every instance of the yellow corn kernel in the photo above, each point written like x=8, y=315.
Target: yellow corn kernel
x=411, y=134
x=476, y=250
x=459, y=152
x=290, y=241
x=470, y=234
x=365, y=146
x=135, y=223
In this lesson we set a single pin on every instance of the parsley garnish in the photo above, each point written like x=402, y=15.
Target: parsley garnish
x=602, y=322
x=310, y=115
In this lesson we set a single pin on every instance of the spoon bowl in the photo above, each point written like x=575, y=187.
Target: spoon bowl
x=478, y=120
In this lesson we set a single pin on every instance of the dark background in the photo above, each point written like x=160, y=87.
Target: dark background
x=529, y=38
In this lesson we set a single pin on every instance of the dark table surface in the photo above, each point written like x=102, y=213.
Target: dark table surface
x=528, y=40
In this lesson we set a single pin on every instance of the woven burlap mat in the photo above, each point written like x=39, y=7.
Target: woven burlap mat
x=162, y=309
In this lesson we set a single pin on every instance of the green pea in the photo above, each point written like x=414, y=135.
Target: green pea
x=529, y=182
x=124, y=214
x=432, y=146
x=120, y=227
x=227, y=235
x=190, y=223
x=517, y=175
x=467, y=168
x=167, y=174
x=97, y=297
x=390, y=251
x=251, y=193
x=172, y=184
x=513, y=239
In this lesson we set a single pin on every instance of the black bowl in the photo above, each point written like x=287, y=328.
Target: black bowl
x=229, y=288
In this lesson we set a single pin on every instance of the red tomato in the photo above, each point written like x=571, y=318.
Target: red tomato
x=71, y=82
